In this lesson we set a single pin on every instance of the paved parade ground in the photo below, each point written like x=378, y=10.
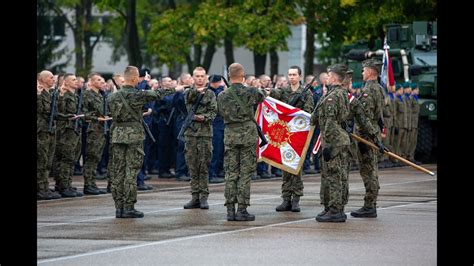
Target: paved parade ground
x=84, y=231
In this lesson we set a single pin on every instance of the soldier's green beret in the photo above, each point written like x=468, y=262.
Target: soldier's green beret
x=398, y=86
x=406, y=85
x=372, y=63
x=339, y=69
x=414, y=85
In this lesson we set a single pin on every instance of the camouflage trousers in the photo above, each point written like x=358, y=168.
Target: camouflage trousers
x=45, y=147
x=198, y=155
x=127, y=160
x=68, y=148
x=413, y=142
x=334, y=190
x=94, y=149
x=292, y=185
x=240, y=163
x=369, y=172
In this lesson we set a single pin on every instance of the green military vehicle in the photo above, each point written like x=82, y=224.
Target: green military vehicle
x=413, y=52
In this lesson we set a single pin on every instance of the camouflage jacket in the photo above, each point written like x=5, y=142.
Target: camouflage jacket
x=365, y=125
x=372, y=101
x=93, y=108
x=43, y=111
x=67, y=105
x=207, y=108
x=127, y=128
x=286, y=95
x=331, y=113
x=239, y=128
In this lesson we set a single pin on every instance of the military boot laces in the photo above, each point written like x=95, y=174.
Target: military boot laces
x=333, y=215
x=230, y=214
x=365, y=212
x=284, y=206
x=295, y=204
x=203, y=203
x=323, y=212
x=193, y=203
x=243, y=215
x=131, y=213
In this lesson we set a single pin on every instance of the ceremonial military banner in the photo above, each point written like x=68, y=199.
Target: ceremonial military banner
x=288, y=132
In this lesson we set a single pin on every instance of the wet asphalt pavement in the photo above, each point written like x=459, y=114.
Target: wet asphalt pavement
x=84, y=231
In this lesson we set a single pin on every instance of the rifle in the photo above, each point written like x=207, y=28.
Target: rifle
x=145, y=126
x=79, y=107
x=106, y=110
x=296, y=99
x=54, y=107
x=188, y=121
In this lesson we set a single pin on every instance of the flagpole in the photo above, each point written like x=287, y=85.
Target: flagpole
x=393, y=155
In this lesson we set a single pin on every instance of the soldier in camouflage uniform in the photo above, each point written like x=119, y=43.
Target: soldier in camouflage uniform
x=372, y=102
x=127, y=138
x=400, y=121
x=240, y=139
x=415, y=113
x=45, y=144
x=94, y=114
x=68, y=146
x=408, y=102
x=356, y=116
x=292, y=187
x=198, y=144
x=330, y=114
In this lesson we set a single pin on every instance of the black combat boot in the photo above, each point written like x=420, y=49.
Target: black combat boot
x=91, y=190
x=203, y=203
x=243, y=215
x=323, y=212
x=193, y=203
x=118, y=213
x=295, y=204
x=47, y=195
x=68, y=193
x=284, y=206
x=230, y=213
x=333, y=215
x=365, y=212
x=131, y=213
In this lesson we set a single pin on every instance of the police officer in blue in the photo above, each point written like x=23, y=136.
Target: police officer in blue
x=143, y=85
x=178, y=115
x=167, y=141
x=217, y=162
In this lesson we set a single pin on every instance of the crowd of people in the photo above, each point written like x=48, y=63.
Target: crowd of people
x=126, y=129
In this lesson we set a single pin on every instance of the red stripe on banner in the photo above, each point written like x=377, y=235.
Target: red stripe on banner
x=351, y=97
x=317, y=145
x=298, y=139
x=272, y=153
x=280, y=108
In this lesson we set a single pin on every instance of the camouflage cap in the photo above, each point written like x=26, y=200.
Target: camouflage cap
x=349, y=71
x=372, y=63
x=339, y=69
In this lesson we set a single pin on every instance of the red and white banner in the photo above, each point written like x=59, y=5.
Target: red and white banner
x=288, y=132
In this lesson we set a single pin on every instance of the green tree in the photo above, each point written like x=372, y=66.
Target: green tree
x=47, y=42
x=87, y=30
x=264, y=27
